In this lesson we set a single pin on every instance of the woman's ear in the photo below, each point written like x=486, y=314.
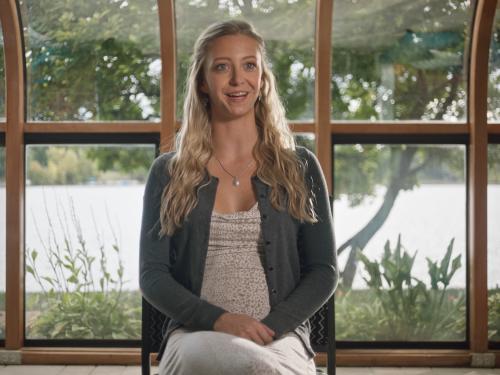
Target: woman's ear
x=203, y=86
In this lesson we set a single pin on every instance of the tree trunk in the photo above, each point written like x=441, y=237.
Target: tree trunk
x=360, y=239
x=398, y=182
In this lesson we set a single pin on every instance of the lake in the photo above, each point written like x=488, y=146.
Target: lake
x=427, y=218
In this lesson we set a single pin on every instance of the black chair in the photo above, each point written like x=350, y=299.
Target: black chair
x=322, y=333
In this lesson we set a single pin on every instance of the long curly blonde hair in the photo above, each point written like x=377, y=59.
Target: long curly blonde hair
x=277, y=164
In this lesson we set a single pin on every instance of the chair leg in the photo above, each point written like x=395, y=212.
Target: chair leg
x=332, y=349
x=146, y=366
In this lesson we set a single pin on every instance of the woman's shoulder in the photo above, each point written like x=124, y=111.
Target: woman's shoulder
x=306, y=156
x=160, y=163
x=302, y=152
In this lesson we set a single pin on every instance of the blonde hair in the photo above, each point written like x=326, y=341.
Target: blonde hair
x=277, y=164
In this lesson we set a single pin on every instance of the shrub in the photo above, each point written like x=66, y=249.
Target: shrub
x=399, y=306
x=75, y=303
x=494, y=315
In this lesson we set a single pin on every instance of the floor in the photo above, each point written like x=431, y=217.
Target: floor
x=136, y=370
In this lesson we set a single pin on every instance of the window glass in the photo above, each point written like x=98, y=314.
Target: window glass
x=494, y=73
x=399, y=218
x=493, y=242
x=83, y=211
x=400, y=60
x=287, y=28
x=92, y=60
x=2, y=78
x=2, y=242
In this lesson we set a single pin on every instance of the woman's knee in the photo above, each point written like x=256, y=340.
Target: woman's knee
x=205, y=353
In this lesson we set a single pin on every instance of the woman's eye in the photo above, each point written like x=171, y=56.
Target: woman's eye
x=220, y=67
x=250, y=66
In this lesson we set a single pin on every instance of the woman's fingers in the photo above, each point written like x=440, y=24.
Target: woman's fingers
x=246, y=327
x=256, y=338
x=269, y=330
x=264, y=335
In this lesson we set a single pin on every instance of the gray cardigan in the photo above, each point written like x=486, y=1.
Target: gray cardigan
x=300, y=258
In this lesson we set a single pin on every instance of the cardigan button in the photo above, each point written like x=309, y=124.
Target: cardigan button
x=264, y=216
x=268, y=242
x=271, y=268
x=274, y=291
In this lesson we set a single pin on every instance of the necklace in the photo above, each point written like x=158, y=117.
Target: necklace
x=236, y=180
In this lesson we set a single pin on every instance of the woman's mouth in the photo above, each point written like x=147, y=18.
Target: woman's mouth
x=237, y=95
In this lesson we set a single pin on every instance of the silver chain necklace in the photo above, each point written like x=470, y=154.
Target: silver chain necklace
x=236, y=180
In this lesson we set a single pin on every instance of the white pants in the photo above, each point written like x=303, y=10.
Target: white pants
x=216, y=353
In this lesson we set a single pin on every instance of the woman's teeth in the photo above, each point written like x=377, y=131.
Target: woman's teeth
x=237, y=94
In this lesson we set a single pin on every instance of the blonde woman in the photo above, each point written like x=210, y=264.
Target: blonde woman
x=237, y=245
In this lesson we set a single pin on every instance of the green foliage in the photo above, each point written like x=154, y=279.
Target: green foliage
x=287, y=27
x=92, y=61
x=68, y=165
x=400, y=306
x=2, y=314
x=123, y=159
x=494, y=315
x=378, y=165
x=411, y=70
x=494, y=163
x=2, y=80
x=2, y=166
x=82, y=297
x=64, y=166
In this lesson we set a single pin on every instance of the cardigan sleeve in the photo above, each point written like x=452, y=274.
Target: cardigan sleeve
x=157, y=284
x=319, y=270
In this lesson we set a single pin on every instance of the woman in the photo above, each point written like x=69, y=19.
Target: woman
x=237, y=245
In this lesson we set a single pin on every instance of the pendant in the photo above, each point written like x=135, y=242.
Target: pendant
x=236, y=182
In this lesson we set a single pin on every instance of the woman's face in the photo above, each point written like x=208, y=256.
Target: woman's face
x=232, y=77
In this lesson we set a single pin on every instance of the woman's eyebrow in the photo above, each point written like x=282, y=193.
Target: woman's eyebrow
x=227, y=58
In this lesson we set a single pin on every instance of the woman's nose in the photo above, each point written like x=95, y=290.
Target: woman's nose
x=236, y=77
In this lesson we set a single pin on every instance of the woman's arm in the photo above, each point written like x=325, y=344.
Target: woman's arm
x=318, y=256
x=157, y=284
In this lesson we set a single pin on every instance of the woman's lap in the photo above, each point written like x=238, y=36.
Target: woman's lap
x=210, y=352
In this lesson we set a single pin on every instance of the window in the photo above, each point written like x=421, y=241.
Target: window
x=2, y=78
x=400, y=233
x=400, y=60
x=288, y=30
x=494, y=73
x=493, y=242
x=83, y=207
x=94, y=60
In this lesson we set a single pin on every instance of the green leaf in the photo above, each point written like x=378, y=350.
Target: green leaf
x=30, y=270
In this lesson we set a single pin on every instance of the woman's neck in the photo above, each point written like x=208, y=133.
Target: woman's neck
x=234, y=140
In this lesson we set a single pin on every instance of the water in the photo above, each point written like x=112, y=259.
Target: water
x=427, y=218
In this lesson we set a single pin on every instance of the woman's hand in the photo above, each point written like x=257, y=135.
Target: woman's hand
x=242, y=325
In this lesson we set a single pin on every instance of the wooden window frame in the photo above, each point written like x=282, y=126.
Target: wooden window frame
x=16, y=127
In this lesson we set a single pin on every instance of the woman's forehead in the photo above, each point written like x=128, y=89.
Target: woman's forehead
x=233, y=46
